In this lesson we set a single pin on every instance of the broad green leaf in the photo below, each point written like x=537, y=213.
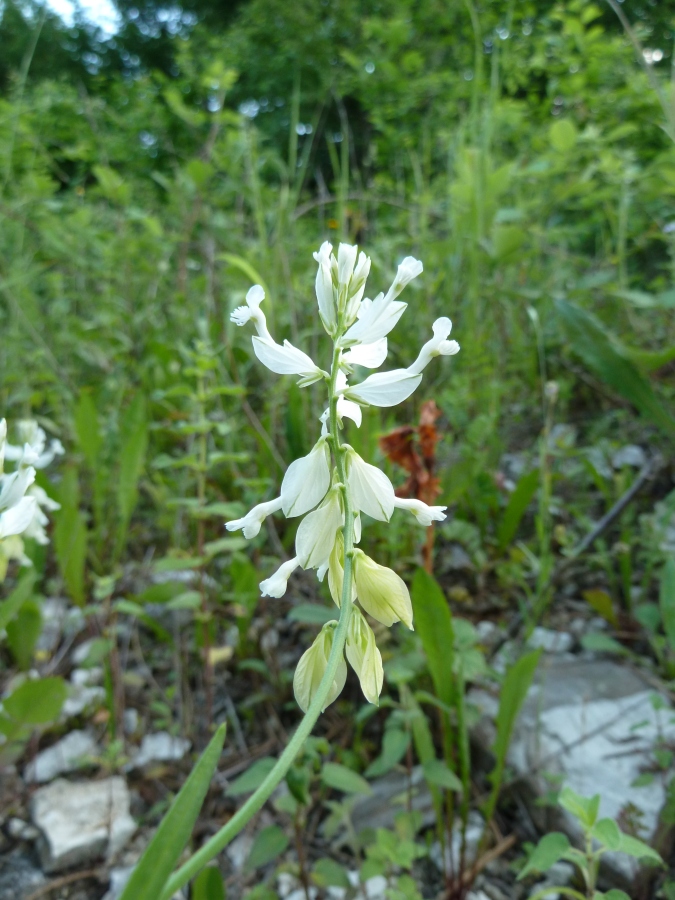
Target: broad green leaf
x=252, y=778
x=667, y=601
x=134, y=434
x=343, y=779
x=563, y=135
x=311, y=614
x=163, y=852
x=208, y=885
x=268, y=844
x=589, y=340
x=328, y=873
x=550, y=850
x=11, y=606
x=437, y=772
x=36, y=702
x=638, y=849
x=23, y=633
x=607, y=832
x=394, y=745
x=516, y=507
x=585, y=809
x=433, y=623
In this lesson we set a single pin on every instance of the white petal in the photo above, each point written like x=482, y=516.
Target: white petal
x=448, y=348
x=369, y=355
x=14, y=486
x=350, y=410
x=371, y=490
x=286, y=360
x=312, y=666
x=306, y=481
x=18, y=518
x=316, y=534
x=325, y=297
x=346, y=260
x=436, y=346
x=251, y=522
x=424, y=514
x=376, y=322
x=275, y=585
x=410, y=268
x=385, y=388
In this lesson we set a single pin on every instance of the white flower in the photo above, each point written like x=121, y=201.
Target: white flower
x=287, y=360
x=385, y=388
x=316, y=534
x=32, y=448
x=252, y=312
x=346, y=259
x=252, y=521
x=13, y=487
x=381, y=592
x=346, y=409
x=371, y=356
x=437, y=346
x=376, y=319
x=17, y=518
x=424, y=514
x=364, y=657
x=311, y=668
x=36, y=527
x=325, y=293
x=306, y=481
x=410, y=268
x=275, y=585
x=371, y=490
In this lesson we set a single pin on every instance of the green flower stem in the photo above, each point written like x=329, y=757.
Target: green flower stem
x=228, y=832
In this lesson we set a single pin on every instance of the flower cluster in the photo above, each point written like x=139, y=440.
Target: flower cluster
x=22, y=502
x=333, y=481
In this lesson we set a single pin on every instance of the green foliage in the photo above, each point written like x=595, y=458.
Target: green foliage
x=208, y=885
x=162, y=853
x=267, y=845
x=343, y=779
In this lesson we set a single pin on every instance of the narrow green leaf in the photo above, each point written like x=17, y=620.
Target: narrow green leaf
x=589, y=340
x=36, y=702
x=87, y=429
x=667, y=601
x=268, y=844
x=437, y=772
x=599, y=642
x=208, y=885
x=433, y=623
x=252, y=778
x=162, y=853
x=132, y=459
x=516, y=507
x=70, y=537
x=23, y=633
x=343, y=779
x=550, y=850
x=11, y=606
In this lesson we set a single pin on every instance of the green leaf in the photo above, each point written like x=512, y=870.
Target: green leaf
x=515, y=510
x=603, y=643
x=615, y=894
x=589, y=340
x=343, y=779
x=23, y=633
x=252, y=778
x=87, y=430
x=70, y=537
x=667, y=601
x=268, y=844
x=601, y=602
x=311, y=614
x=585, y=809
x=36, y=702
x=11, y=606
x=208, y=885
x=550, y=850
x=186, y=600
x=224, y=545
x=563, y=135
x=134, y=435
x=163, y=852
x=296, y=422
x=394, y=745
x=607, y=832
x=328, y=873
x=437, y=772
x=638, y=849
x=433, y=623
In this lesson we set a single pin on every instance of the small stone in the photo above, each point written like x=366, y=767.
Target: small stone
x=630, y=455
x=22, y=831
x=550, y=641
x=160, y=747
x=81, y=821
x=18, y=877
x=65, y=756
x=376, y=888
x=131, y=720
x=237, y=852
x=82, y=651
x=54, y=611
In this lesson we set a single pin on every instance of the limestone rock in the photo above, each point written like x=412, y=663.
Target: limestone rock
x=65, y=756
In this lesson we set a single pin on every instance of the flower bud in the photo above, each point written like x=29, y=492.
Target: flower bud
x=364, y=657
x=312, y=666
x=325, y=293
x=381, y=592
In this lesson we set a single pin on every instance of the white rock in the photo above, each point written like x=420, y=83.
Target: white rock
x=474, y=832
x=550, y=641
x=131, y=720
x=81, y=652
x=630, y=455
x=54, y=611
x=237, y=851
x=21, y=831
x=160, y=747
x=375, y=888
x=81, y=821
x=65, y=756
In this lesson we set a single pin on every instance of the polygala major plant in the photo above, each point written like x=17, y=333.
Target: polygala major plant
x=331, y=487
